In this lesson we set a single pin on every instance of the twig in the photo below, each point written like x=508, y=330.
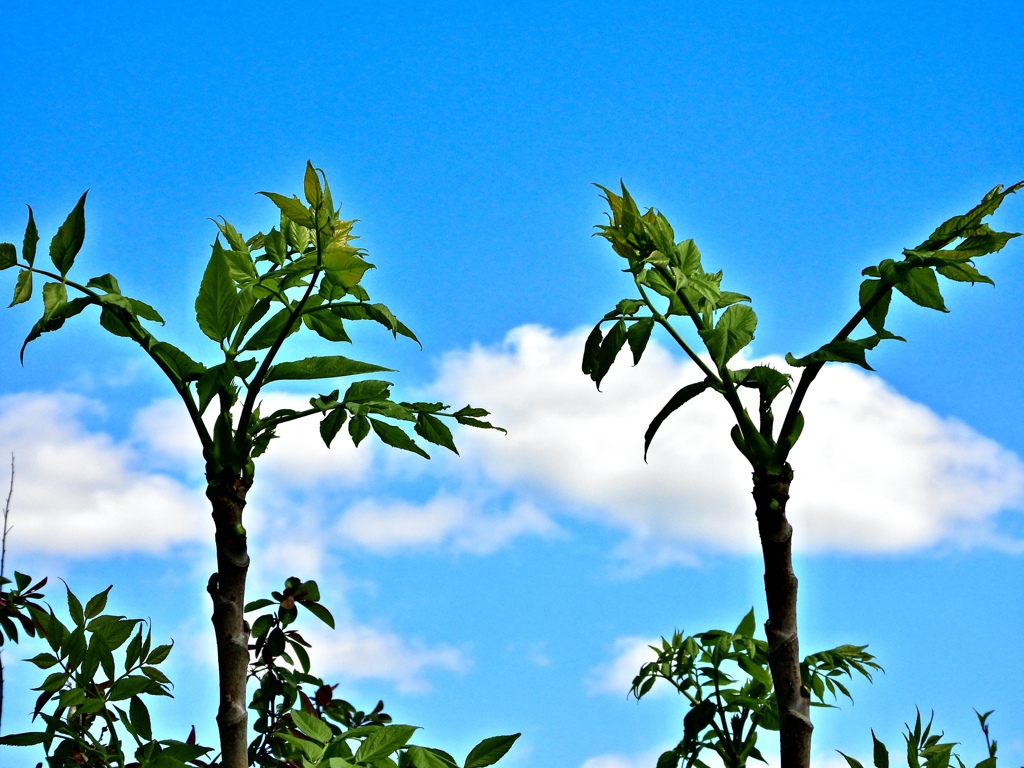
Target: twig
x=3, y=557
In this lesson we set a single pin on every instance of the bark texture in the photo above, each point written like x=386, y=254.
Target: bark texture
x=771, y=493
x=227, y=590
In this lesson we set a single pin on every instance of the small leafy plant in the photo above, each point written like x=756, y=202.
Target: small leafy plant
x=726, y=678
x=927, y=750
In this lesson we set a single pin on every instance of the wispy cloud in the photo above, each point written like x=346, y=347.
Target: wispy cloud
x=615, y=676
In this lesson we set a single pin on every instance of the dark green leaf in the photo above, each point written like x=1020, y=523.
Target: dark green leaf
x=367, y=391
x=180, y=364
x=8, y=255
x=396, y=437
x=43, y=660
x=97, y=603
x=28, y=245
x=140, y=718
x=592, y=351
x=291, y=207
x=765, y=378
x=126, y=687
x=425, y=758
x=881, y=754
x=638, y=334
x=23, y=739
x=75, y=609
x=255, y=605
x=852, y=761
x=490, y=750
x=332, y=424
x=358, y=428
x=217, y=302
x=271, y=330
x=69, y=238
x=433, y=430
x=733, y=331
x=963, y=273
x=23, y=288
x=326, y=325
x=920, y=286
x=320, y=368
x=877, y=314
x=677, y=400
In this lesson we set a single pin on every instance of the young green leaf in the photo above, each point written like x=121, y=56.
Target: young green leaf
x=920, y=286
x=23, y=288
x=69, y=238
x=734, y=331
x=8, y=255
x=217, y=302
x=293, y=208
x=384, y=741
x=97, y=603
x=312, y=726
x=677, y=400
x=490, y=750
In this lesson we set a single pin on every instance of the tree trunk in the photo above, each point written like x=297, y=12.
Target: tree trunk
x=771, y=492
x=227, y=590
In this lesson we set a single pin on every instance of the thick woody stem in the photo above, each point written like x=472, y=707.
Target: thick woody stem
x=227, y=591
x=771, y=493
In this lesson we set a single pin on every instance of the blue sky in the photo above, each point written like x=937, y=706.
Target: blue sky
x=509, y=588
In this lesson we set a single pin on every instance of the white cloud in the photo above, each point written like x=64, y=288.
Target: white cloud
x=390, y=526
x=642, y=760
x=616, y=675
x=78, y=493
x=875, y=471
x=364, y=653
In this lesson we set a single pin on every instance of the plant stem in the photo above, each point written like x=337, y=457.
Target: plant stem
x=227, y=591
x=771, y=493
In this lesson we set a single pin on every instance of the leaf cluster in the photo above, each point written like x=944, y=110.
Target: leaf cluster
x=926, y=749
x=95, y=690
x=672, y=283
x=255, y=293
x=726, y=679
x=17, y=606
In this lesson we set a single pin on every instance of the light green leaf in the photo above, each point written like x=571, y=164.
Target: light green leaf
x=291, y=207
x=384, y=742
x=424, y=758
x=920, y=286
x=217, y=302
x=69, y=238
x=311, y=185
x=275, y=246
x=490, y=750
x=312, y=726
x=235, y=240
x=55, y=296
x=396, y=437
x=321, y=368
x=343, y=266
x=963, y=273
x=23, y=288
x=734, y=330
x=326, y=325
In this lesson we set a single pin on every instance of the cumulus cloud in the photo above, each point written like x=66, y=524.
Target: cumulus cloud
x=79, y=493
x=390, y=526
x=615, y=676
x=361, y=652
x=876, y=472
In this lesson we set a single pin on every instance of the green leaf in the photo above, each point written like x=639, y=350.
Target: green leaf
x=383, y=742
x=217, y=302
x=320, y=368
x=921, y=287
x=159, y=654
x=8, y=255
x=733, y=331
x=358, y=429
x=343, y=266
x=320, y=612
x=126, y=687
x=877, y=314
x=44, y=660
x=326, y=325
x=963, y=273
x=75, y=609
x=291, y=207
x=97, y=603
x=312, y=726
x=844, y=351
x=235, y=240
x=592, y=351
x=424, y=758
x=853, y=762
x=677, y=400
x=490, y=750
x=367, y=391
x=332, y=424
x=638, y=334
x=180, y=364
x=24, y=739
x=747, y=626
x=28, y=246
x=275, y=246
x=255, y=605
x=140, y=718
x=23, y=288
x=433, y=430
x=69, y=238
x=271, y=330
x=396, y=437
x=881, y=754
